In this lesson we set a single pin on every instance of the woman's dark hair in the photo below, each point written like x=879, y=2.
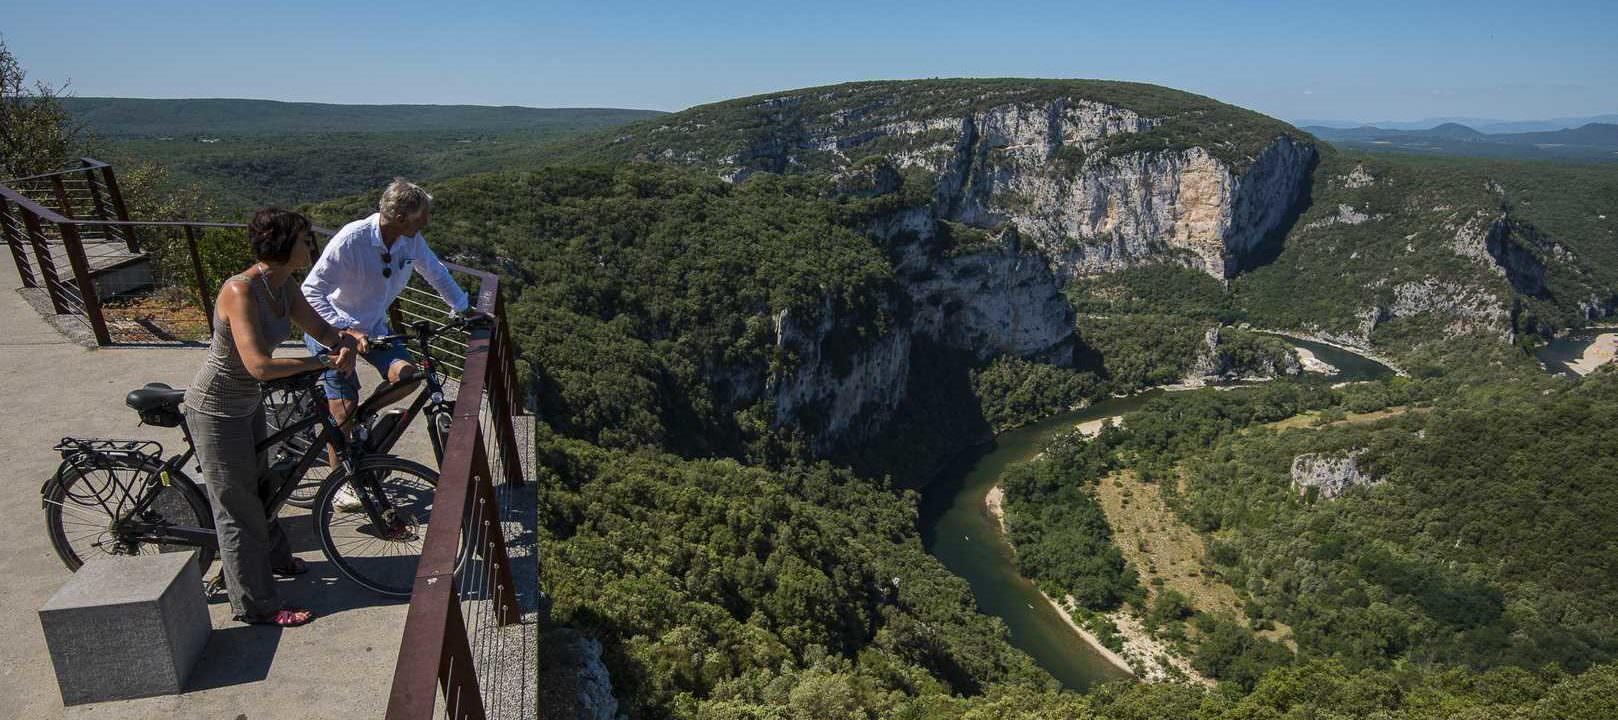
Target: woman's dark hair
x=273, y=233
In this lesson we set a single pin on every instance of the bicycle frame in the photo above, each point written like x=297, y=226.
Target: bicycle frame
x=430, y=399
x=329, y=435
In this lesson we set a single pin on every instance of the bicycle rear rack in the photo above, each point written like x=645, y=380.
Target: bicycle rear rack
x=108, y=446
x=94, y=460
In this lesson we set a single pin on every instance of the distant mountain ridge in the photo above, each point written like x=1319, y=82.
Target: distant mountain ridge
x=142, y=117
x=1490, y=126
x=1589, y=142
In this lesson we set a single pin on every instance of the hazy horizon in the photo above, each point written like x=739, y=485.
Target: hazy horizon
x=1379, y=60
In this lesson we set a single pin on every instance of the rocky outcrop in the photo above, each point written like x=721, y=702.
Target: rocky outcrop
x=995, y=299
x=1216, y=363
x=1328, y=474
x=836, y=394
x=1510, y=249
x=573, y=682
x=1095, y=186
x=998, y=300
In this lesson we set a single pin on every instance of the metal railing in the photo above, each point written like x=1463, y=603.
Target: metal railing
x=465, y=649
x=71, y=237
x=457, y=656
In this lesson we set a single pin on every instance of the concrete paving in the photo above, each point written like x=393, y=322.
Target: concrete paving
x=341, y=665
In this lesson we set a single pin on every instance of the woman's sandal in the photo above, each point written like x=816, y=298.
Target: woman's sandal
x=287, y=617
x=299, y=567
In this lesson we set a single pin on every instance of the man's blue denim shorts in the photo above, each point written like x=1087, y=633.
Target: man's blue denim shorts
x=339, y=386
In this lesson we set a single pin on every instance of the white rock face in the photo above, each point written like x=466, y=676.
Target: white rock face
x=836, y=400
x=1331, y=474
x=573, y=682
x=991, y=301
x=1047, y=169
x=1030, y=166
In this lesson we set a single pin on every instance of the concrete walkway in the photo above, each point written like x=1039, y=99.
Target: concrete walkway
x=339, y=666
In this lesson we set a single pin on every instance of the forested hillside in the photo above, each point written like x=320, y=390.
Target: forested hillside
x=245, y=154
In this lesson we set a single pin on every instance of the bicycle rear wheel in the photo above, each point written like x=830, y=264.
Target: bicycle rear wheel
x=87, y=513
x=381, y=559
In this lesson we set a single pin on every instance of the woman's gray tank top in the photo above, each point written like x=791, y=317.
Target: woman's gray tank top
x=223, y=387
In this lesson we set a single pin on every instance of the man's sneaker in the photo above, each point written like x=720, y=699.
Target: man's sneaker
x=346, y=501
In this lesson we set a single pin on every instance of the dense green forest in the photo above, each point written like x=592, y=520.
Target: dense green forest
x=246, y=154
x=635, y=286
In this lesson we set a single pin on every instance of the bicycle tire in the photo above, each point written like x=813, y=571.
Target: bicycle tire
x=347, y=538
x=75, y=538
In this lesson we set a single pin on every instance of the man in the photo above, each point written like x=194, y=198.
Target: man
x=361, y=272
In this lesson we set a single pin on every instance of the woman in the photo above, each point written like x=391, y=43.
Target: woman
x=252, y=316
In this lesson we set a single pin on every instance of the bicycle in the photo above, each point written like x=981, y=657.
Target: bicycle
x=122, y=497
x=381, y=431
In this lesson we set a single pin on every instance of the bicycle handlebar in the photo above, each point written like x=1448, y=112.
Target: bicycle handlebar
x=426, y=328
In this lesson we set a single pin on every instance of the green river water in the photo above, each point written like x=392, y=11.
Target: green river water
x=957, y=529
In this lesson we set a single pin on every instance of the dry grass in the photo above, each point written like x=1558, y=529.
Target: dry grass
x=164, y=315
x=1308, y=419
x=1160, y=546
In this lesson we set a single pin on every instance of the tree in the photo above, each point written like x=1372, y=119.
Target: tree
x=37, y=134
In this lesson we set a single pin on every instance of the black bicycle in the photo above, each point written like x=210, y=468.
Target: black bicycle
x=123, y=497
x=380, y=431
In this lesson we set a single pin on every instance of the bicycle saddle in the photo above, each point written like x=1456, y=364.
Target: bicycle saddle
x=155, y=396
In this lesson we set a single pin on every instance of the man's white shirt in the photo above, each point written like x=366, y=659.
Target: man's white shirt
x=346, y=286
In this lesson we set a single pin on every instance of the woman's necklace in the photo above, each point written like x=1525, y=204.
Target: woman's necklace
x=263, y=271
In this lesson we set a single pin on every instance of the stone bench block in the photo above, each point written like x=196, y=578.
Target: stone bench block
x=127, y=627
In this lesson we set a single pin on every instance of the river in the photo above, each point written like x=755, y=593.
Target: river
x=957, y=529
x=1579, y=352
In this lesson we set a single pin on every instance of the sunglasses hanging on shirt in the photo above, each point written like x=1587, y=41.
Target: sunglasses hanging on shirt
x=387, y=264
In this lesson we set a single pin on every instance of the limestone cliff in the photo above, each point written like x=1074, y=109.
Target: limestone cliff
x=1093, y=212
x=1328, y=474
x=1097, y=176
x=992, y=300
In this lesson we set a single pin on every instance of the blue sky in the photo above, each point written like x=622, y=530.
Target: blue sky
x=1366, y=60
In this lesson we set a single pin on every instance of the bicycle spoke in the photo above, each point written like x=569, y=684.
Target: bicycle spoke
x=80, y=511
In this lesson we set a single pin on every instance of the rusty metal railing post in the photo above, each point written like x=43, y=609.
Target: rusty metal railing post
x=457, y=672
x=396, y=317
x=42, y=254
x=87, y=285
x=19, y=254
x=98, y=206
x=502, y=373
x=117, y=198
x=65, y=205
x=434, y=651
x=203, y=293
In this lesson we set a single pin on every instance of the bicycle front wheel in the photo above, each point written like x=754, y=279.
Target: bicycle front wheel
x=380, y=557
x=90, y=512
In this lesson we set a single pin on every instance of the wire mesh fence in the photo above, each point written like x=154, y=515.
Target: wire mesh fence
x=471, y=642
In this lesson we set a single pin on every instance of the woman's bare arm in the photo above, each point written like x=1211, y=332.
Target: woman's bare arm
x=234, y=304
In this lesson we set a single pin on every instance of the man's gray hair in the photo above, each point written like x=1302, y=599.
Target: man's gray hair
x=404, y=200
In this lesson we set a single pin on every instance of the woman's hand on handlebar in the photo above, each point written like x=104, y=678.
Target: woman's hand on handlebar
x=352, y=337
x=344, y=360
